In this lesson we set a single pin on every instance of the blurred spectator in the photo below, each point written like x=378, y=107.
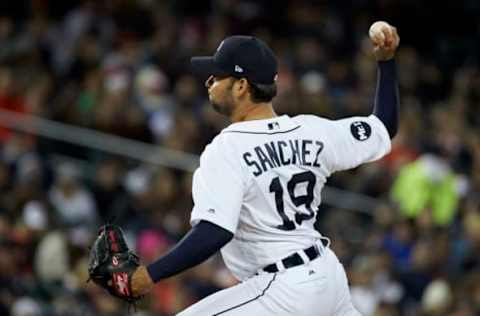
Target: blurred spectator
x=52, y=258
x=437, y=298
x=108, y=190
x=10, y=98
x=427, y=185
x=73, y=202
x=26, y=306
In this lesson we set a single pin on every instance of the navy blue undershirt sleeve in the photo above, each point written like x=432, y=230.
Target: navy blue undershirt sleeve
x=200, y=243
x=387, y=100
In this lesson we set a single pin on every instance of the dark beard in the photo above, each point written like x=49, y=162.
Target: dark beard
x=224, y=110
x=226, y=107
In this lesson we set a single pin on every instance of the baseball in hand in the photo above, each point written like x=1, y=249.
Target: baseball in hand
x=379, y=32
x=385, y=40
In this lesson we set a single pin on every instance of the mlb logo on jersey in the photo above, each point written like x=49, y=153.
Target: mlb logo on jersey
x=274, y=125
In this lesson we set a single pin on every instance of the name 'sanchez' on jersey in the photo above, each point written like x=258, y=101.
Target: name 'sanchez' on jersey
x=274, y=154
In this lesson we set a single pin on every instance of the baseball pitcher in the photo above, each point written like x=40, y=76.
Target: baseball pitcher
x=258, y=189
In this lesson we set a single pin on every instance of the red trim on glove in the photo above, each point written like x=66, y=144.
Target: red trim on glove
x=121, y=283
x=113, y=240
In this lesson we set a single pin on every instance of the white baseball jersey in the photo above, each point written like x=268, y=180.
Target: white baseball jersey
x=262, y=180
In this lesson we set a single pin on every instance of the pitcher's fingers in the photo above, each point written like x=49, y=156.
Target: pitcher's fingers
x=378, y=38
x=387, y=31
x=396, y=36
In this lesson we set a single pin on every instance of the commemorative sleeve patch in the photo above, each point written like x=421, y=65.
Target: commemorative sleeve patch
x=360, y=130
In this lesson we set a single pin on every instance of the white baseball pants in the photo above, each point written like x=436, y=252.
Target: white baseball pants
x=317, y=288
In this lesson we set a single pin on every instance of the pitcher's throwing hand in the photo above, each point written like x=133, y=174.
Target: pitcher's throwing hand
x=385, y=40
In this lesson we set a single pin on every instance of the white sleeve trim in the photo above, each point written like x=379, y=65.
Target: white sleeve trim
x=383, y=132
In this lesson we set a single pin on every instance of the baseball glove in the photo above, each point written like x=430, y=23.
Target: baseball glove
x=111, y=263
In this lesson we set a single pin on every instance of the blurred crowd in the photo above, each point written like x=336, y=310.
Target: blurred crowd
x=121, y=67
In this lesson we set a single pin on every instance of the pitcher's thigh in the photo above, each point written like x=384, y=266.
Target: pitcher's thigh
x=344, y=302
x=246, y=298
x=308, y=290
x=327, y=293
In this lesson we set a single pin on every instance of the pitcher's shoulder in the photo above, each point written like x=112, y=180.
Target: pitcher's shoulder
x=311, y=120
x=223, y=146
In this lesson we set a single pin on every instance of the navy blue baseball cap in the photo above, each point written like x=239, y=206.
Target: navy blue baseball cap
x=241, y=57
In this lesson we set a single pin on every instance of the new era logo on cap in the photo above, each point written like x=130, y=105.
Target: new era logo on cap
x=238, y=68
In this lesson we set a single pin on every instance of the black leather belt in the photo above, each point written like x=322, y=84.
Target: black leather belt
x=294, y=260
